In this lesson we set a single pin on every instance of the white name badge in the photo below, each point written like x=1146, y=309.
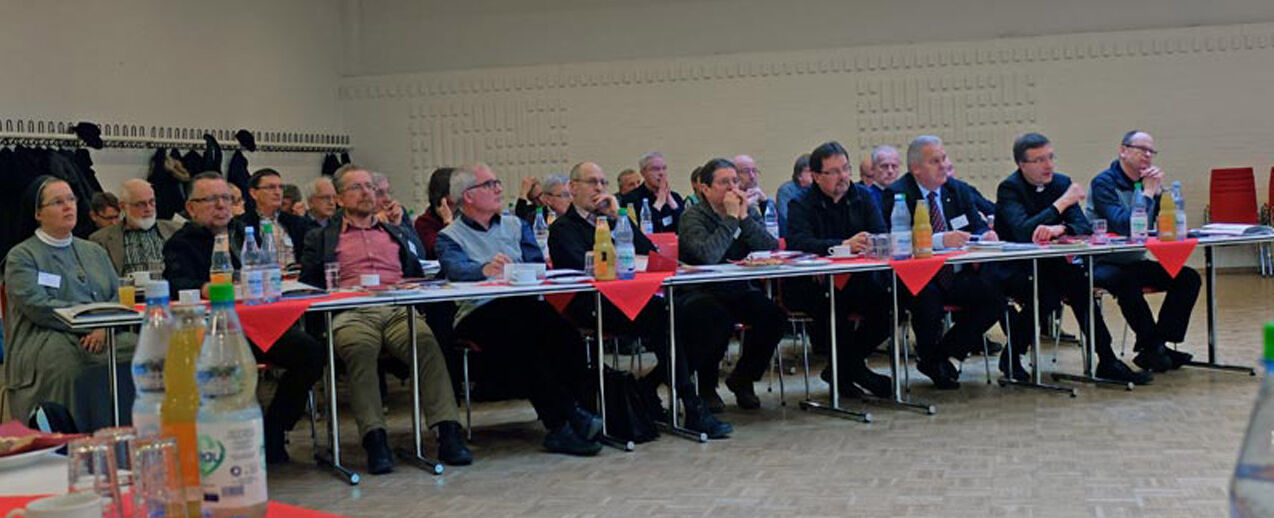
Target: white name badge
x=51, y=280
x=667, y=221
x=960, y=222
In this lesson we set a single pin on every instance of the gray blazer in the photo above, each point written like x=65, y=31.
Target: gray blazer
x=112, y=239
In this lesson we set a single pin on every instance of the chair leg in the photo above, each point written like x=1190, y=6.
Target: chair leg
x=805, y=356
x=906, y=354
x=986, y=358
x=468, y=398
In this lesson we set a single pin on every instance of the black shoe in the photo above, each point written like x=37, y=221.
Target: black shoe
x=379, y=459
x=992, y=347
x=846, y=389
x=276, y=451
x=941, y=372
x=564, y=440
x=744, y=395
x=878, y=385
x=1178, y=358
x=1118, y=371
x=1153, y=359
x=1063, y=336
x=699, y=419
x=1019, y=373
x=650, y=395
x=712, y=401
x=585, y=424
x=451, y=448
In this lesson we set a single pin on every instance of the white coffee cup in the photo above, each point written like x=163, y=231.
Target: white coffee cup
x=188, y=297
x=71, y=505
x=521, y=273
x=840, y=251
x=141, y=279
x=369, y=279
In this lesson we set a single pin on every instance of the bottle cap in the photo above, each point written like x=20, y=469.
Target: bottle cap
x=623, y=212
x=1269, y=341
x=156, y=289
x=221, y=293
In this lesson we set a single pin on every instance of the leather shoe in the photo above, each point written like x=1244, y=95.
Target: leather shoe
x=564, y=440
x=1118, y=371
x=699, y=419
x=1019, y=373
x=712, y=401
x=1153, y=359
x=1178, y=358
x=379, y=459
x=878, y=385
x=846, y=389
x=276, y=451
x=992, y=347
x=451, y=448
x=585, y=424
x=744, y=395
x=941, y=372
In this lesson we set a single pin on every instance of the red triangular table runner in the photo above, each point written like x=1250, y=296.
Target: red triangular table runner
x=1172, y=255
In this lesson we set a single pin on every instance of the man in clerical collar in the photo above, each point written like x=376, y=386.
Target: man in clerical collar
x=137, y=245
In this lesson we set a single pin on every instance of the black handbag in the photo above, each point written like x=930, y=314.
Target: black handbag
x=629, y=415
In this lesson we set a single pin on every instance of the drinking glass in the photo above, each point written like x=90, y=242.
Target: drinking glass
x=588, y=263
x=127, y=293
x=120, y=439
x=332, y=275
x=91, y=468
x=879, y=247
x=157, y=490
x=1099, y=232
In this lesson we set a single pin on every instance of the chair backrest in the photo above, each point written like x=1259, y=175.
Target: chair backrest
x=1232, y=196
x=1269, y=196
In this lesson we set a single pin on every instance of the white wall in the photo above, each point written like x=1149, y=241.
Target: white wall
x=265, y=66
x=1201, y=91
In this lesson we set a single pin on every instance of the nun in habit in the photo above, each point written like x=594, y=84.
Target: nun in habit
x=53, y=269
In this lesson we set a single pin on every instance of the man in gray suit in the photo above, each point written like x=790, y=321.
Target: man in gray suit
x=139, y=242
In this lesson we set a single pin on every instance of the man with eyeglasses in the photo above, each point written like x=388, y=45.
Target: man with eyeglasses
x=1037, y=204
x=750, y=182
x=188, y=259
x=362, y=244
x=665, y=204
x=138, y=243
x=321, y=199
x=570, y=237
x=523, y=340
x=1127, y=275
x=266, y=188
x=104, y=209
x=836, y=212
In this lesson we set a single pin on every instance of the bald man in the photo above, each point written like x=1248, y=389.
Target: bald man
x=750, y=181
x=138, y=244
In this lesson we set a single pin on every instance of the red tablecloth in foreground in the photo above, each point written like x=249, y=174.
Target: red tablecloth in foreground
x=916, y=273
x=1172, y=255
x=265, y=323
x=274, y=510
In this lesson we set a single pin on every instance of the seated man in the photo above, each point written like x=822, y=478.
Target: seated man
x=556, y=197
x=1125, y=275
x=750, y=182
x=836, y=212
x=886, y=165
x=570, y=237
x=104, y=210
x=628, y=180
x=266, y=188
x=665, y=204
x=363, y=245
x=188, y=259
x=955, y=218
x=388, y=210
x=1035, y=204
x=531, y=343
x=802, y=179
x=722, y=228
x=320, y=200
x=138, y=243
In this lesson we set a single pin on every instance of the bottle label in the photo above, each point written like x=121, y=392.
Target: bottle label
x=220, y=381
x=900, y=243
x=626, y=256
x=148, y=375
x=147, y=424
x=1138, y=226
x=232, y=463
x=221, y=277
x=276, y=282
x=1182, y=229
x=255, y=287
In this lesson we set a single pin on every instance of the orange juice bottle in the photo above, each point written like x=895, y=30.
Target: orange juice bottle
x=922, y=230
x=1167, y=218
x=222, y=271
x=603, y=252
x=180, y=408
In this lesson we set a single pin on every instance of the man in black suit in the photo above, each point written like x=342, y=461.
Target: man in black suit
x=1036, y=204
x=955, y=219
x=665, y=204
x=266, y=188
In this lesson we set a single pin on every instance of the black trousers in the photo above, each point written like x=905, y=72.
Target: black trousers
x=651, y=325
x=865, y=296
x=530, y=346
x=1058, y=280
x=303, y=358
x=1126, y=281
x=981, y=304
x=706, y=317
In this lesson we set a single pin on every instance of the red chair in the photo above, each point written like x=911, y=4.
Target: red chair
x=1232, y=196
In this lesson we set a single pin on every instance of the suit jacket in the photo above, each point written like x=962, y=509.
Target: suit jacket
x=816, y=223
x=112, y=239
x=188, y=255
x=958, y=208
x=665, y=219
x=1020, y=208
x=984, y=205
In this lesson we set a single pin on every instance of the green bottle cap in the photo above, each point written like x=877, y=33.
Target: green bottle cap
x=221, y=293
x=623, y=212
x=1269, y=341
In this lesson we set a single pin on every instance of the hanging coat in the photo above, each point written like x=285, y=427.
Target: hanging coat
x=330, y=164
x=237, y=175
x=166, y=173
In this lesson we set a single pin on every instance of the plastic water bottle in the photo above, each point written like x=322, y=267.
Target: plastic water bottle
x=1138, y=223
x=148, y=360
x=1252, y=490
x=231, y=430
x=287, y=251
x=900, y=229
x=625, y=252
x=647, y=223
x=272, y=274
x=541, y=228
x=771, y=219
x=222, y=270
x=251, y=274
x=1183, y=231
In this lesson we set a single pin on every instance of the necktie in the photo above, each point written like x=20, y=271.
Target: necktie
x=936, y=220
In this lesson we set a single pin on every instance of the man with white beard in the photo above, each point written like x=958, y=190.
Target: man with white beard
x=138, y=243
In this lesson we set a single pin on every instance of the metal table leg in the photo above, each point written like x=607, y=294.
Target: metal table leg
x=898, y=367
x=112, y=376
x=416, y=457
x=1210, y=271
x=1035, y=381
x=834, y=408
x=601, y=385
x=331, y=457
x=1089, y=344
x=673, y=426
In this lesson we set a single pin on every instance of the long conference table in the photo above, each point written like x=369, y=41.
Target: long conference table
x=329, y=456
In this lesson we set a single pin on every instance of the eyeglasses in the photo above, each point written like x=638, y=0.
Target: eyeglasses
x=595, y=182
x=142, y=204
x=365, y=186
x=275, y=187
x=61, y=202
x=833, y=171
x=1150, y=152
x=323, y=197
x=223, y=198
x=565, y=195
x=1041, y=159
x=489, y=184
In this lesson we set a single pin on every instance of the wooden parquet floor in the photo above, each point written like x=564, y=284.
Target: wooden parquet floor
x=1162, y=450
